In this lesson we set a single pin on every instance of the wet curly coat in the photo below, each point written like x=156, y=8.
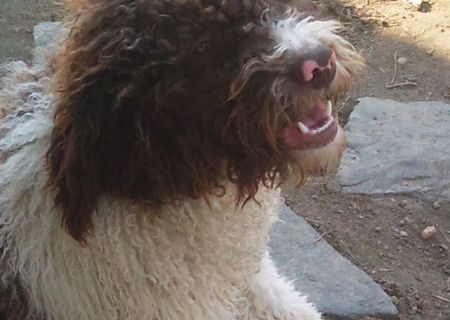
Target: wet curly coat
x=163, y=160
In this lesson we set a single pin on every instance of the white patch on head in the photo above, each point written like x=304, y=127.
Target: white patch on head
x=301, y=35
x=296, y=34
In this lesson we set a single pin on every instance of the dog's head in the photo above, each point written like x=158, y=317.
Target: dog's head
x=159, y=100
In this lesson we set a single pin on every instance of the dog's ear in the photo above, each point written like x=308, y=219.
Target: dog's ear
x=107, y=87
x=136, y=95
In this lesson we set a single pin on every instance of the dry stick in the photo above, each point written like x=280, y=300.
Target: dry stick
x=401, y=84
x=346, y=249
x=395, y=67
x=440, y=298
x=383, y=14
x=321, y=236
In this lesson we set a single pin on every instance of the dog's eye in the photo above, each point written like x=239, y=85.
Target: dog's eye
x=204, y=46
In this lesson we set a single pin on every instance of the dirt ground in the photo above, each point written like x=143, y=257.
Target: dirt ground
x=379, y=234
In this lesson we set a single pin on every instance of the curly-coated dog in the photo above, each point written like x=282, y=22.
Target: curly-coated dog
x=139, y=174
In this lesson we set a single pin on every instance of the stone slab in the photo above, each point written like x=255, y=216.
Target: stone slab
x=48, y=37
x=398, y=147
x=338, y=288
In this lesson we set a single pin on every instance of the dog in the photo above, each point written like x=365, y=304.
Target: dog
x=140, y=173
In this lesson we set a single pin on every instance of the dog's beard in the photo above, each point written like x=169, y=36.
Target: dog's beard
x=318, y=160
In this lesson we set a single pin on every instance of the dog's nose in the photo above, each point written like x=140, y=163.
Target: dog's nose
x=319, y=60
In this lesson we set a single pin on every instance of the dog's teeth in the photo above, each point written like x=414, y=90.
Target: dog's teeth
x=312, y=132
x=304, y=129
x=329, y=107
x=322, y=128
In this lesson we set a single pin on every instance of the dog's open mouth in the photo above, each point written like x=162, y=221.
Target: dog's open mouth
x=315, y=130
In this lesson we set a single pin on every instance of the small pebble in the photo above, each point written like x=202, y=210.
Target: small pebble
x=402, y=222
x=401, y=60
x=403, y=233
x=429, y=232
x=378, y=229
x=415, y=2
x=436, y=205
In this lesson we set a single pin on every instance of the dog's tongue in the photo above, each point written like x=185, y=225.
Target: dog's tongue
x=313, y=131
x=316, y=116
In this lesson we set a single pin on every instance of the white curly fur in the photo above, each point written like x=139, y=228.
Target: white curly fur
x=193, y=260
x=295, y=34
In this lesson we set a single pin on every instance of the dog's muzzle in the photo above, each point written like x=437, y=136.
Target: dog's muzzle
x=314, y=70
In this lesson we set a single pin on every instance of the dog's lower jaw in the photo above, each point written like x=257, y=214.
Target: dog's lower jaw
x=319, y=160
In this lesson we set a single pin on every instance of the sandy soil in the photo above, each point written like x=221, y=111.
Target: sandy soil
x=367, y=230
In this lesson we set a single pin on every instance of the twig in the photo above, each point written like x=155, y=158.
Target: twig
x=441, y=298
x=321, y=236
x=401, y=84
x=395, y=67
x=346, y=249
x=382, y=13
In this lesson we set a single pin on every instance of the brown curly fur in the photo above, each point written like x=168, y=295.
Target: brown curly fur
x=157, y=102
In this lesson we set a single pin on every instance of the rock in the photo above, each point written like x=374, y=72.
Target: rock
x=415, y=2
x=436, y=205
x=337, y=287
x=386, y=154
x=429, y=232
x=48, y=37
x=401, y=60
x=403, y=233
